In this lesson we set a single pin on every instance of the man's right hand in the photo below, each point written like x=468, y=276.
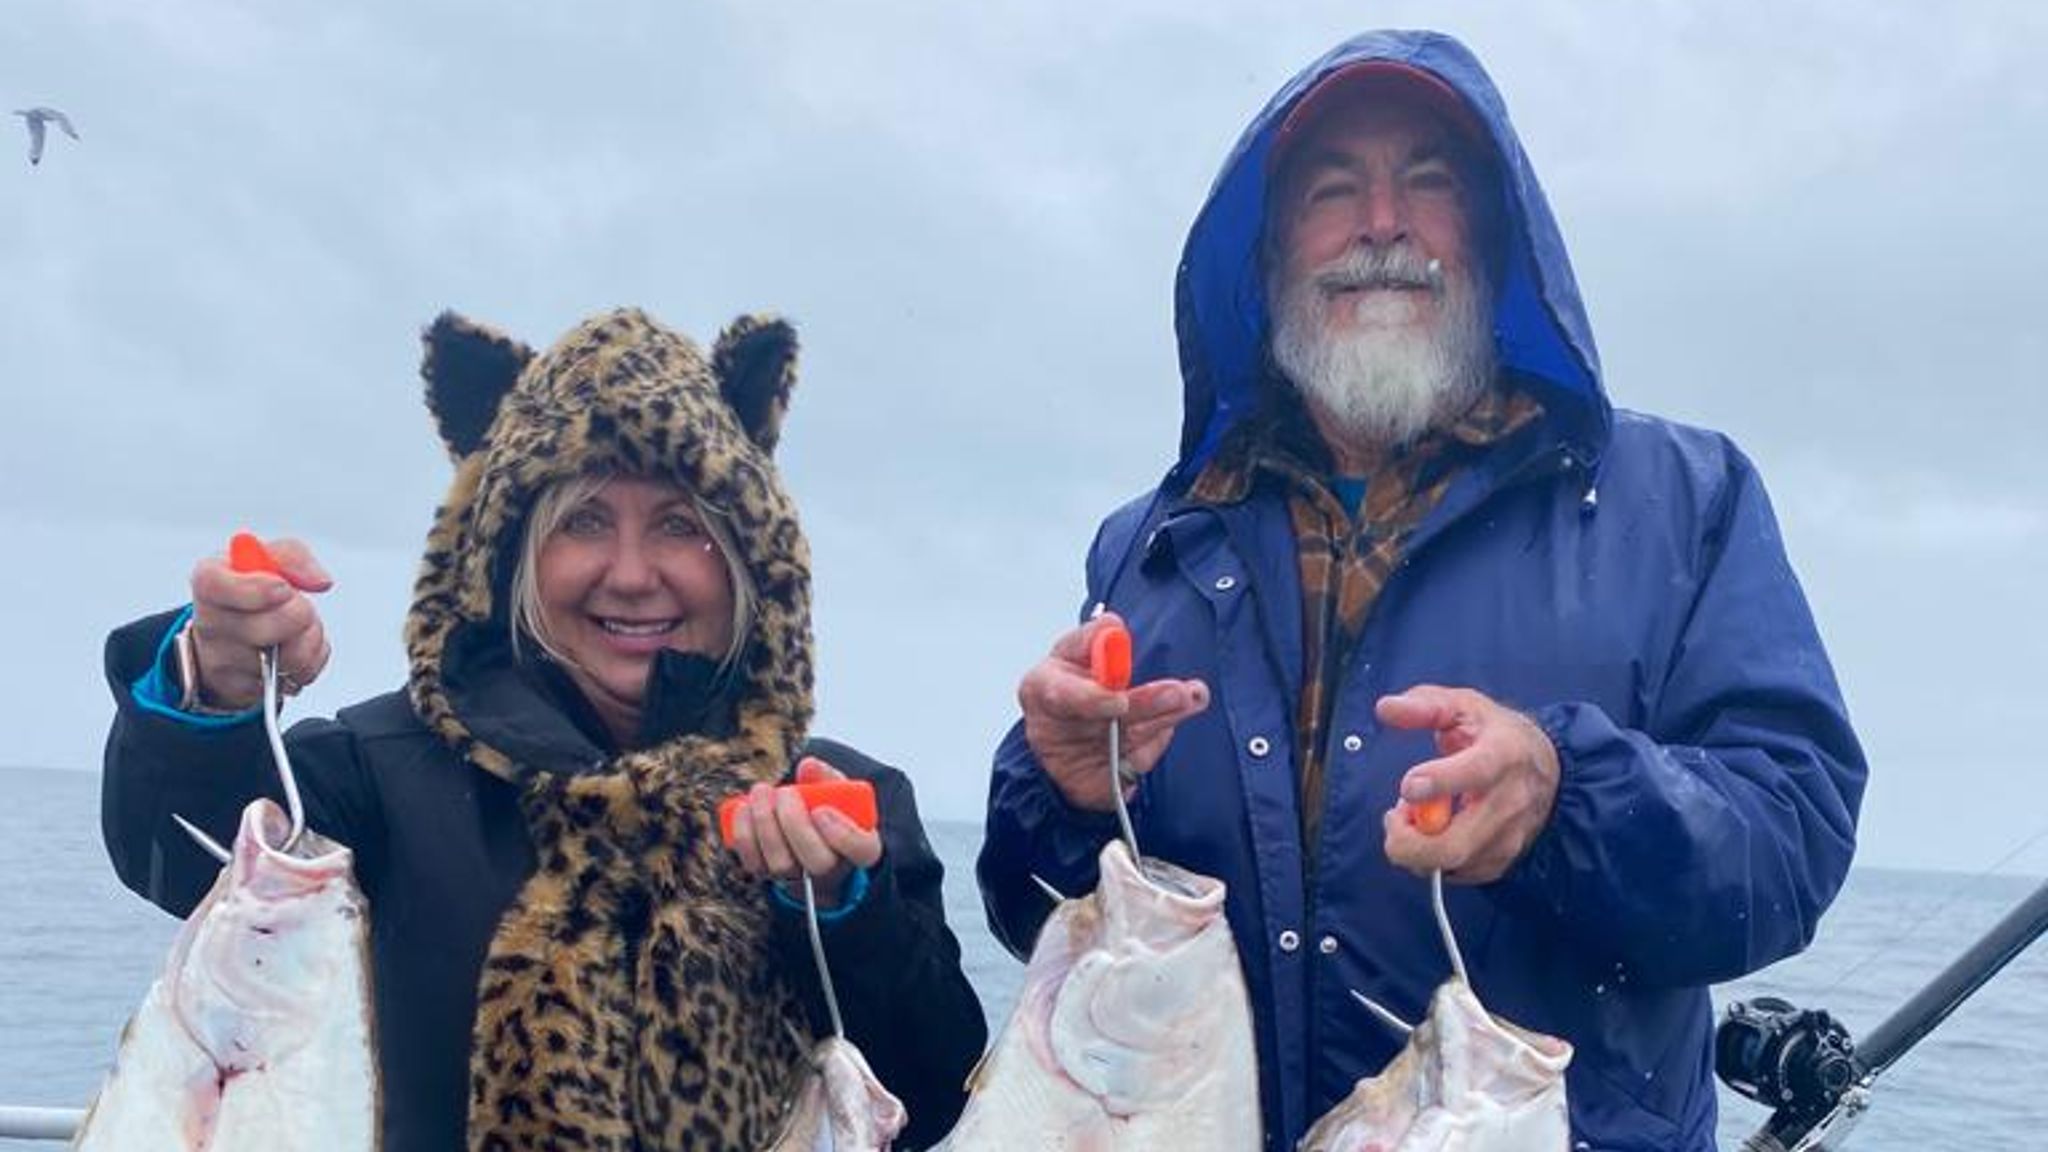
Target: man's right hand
x=1067, y=715
x=236, y=615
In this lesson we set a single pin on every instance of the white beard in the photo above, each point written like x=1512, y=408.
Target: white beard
x=1384, y=385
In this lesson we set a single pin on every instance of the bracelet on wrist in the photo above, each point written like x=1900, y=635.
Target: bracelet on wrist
x=185, y=647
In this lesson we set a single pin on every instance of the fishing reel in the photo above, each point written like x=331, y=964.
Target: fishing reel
x=1796, y=1062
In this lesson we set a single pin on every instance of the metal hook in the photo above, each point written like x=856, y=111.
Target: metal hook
x=293, y=804
x=1116, y=765
x=818, y=956
x=1116, y=789
x=1385, y=1014
x=213, y=847
x=1443, y=924
x=272, y=708
x=1051, y=893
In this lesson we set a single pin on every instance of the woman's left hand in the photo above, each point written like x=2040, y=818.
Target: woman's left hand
x=778, y=839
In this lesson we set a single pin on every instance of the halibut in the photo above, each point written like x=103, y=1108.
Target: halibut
x=257, y=1037
x=1133, y=1029
x=841, y=1106
x=1467, y=1081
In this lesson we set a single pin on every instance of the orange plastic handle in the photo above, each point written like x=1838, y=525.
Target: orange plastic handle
x=247, y=554
x=1431, y=816
x=853, y=799
x=1109, y=657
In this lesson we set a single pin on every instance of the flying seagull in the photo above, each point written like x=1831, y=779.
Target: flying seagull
x=37, y=117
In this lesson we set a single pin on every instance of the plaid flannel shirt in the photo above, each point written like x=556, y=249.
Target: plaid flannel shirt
x=1345, y=561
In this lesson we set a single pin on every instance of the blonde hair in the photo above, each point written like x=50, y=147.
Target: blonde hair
x=554, y=504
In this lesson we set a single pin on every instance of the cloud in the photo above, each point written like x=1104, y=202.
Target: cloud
x=1910, y=511
x=973, y=214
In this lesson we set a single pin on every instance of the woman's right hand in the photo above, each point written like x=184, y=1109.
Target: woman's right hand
x=236, y=615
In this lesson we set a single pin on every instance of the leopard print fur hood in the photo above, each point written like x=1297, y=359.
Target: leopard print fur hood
x=630, y=998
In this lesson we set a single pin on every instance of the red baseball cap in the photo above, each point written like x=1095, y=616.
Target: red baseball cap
x=1367, y=80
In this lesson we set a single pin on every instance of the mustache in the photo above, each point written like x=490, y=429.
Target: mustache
x=1394, y=266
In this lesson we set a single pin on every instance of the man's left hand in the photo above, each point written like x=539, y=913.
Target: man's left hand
x=1497, y=764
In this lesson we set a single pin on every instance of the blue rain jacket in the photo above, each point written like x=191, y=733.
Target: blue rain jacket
x=1619, y=577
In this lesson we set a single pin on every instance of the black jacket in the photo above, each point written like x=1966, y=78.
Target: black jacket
x=441, y=849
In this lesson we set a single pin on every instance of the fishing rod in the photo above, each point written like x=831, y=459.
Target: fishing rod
x=1805, y=1065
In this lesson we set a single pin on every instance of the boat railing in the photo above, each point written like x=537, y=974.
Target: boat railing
x=23, y=1123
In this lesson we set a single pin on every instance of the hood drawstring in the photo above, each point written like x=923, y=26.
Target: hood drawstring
x=1588, y=468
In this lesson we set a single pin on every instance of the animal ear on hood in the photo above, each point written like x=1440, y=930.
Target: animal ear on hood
x=755, y=362
x=468, y=368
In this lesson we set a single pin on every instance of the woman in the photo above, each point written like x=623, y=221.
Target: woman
x=609, y=635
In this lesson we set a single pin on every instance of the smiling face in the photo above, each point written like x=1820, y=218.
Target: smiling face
x=628, y=570
x=1376, y=177
x=1379, y=298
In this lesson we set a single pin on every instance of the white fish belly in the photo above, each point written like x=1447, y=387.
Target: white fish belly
x=257, y=1036
x=1020, y=1102
x=162, y=1093
x=323, y=1095
x=1133, y=1029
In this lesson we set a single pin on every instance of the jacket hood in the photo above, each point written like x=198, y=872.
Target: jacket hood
x=619, y=394
x=1541, y=335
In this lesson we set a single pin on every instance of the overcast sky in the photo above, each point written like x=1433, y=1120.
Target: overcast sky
x=1815, y=226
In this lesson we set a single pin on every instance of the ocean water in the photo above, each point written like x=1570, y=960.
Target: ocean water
x=77, y=952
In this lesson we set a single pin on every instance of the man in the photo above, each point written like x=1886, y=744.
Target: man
x=1413, y=553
